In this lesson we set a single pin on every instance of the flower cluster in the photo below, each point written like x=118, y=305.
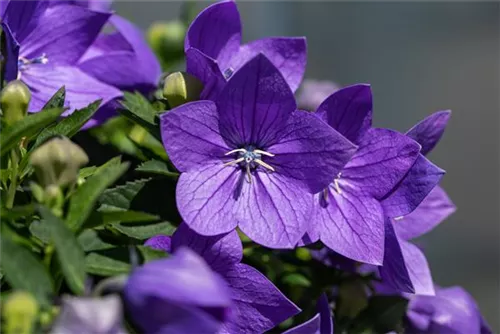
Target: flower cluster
x=273, y=193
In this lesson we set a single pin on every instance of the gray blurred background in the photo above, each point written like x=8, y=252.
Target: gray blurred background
x=419, y=58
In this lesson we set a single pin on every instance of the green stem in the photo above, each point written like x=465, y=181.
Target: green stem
x=11, y=194
x=49, y=250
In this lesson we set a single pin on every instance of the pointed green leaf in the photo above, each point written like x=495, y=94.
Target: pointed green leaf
x=123, y=195
x=108, y=262
x=156, y=167
x=57, y=100
x=101, y=218
x=28, y=127
x=24, y=271
x=70, y=255
x=17, y=212
x=84, y=198
x=143, y=231
x=138, y=109
x=91, y=240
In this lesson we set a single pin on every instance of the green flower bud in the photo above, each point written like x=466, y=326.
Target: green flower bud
x=167, y=38
x=14, y=101
x=180, y=88
x=57, y=162
x=20, y=311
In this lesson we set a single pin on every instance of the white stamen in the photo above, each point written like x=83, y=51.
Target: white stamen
x=325, y=194
x=242, y=150
x=337, y=186
x=263, y=153
x=234, y=162
x=398, y=218
x=263, y=164
x=249, y=175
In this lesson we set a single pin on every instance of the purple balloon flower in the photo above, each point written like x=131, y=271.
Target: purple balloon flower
x=177, y=295
x=452, y=310
x=258, y=305
x=250, y=159
x=214, y=51
x=349, y=217
x=321, y=323
x=100, y=5
x=44, y=45
x=313, y=92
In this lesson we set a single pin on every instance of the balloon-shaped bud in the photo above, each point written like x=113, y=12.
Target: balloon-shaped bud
x=14, y=101
x=20, y=311
x=57, y=162
x=180, y=88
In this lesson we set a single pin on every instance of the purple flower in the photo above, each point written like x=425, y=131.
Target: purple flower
x=177, y=295
x=44, y=45
x=250, y=159
x=214, y=51
x=90, y=315
x=321, y=323
x=99, y=5
x=452, y=310
x=349, y=217
x=257, y=304
x=313, y=92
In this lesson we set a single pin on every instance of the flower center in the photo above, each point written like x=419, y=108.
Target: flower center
x=22, y=63
x=249, y=158
x=336, y=185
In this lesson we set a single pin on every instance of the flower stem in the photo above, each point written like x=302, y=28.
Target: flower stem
x=11, y=194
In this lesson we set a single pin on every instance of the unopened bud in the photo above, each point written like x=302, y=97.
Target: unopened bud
x=20, y=311
x=57, y=162
x=14, y=101
x=180, y=88
x=167, y=38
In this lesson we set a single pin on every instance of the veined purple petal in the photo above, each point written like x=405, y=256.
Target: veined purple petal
x=99, y=5
x=405, y=267
x=206, y=197
x=216, y=32
x=428, y=131
x=207, y=71
x=382, y=160
x=12, y=55
x=310, y=151
x=160, y=242
x=191, y=137
x=415, y=186
x=321, y=323
x=23, y=16
x=349, y=111
x=258, y=304
x=63, y=34
x=255, y=105
x=273, y=210
x=288, y=54
x=81, y=89
x=313, y=92
x=351, y=224
x=220, y=251
x=435, y=208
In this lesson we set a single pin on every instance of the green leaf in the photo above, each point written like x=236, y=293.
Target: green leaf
x=24, y=271
x=57, y=100
x=17, y=212
x=92, y=240
x=383, y=314
x=150, y=254
x=27, y=127
x=138, y=109
x=40, y=229
x=296, y=279
x=69, y=253
x=122, y=196
x=84, y=198
x=69, y=125
x=143, y=231
x=108, y=262
x=156, y=167
x=87, y=171
x=101, y=218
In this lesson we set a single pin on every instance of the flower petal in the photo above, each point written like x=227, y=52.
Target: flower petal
x=63, y=34
x=382, y=160
x=313, y=92
x=191, y=137
x=405, y=267
x=349, y=111
x=258, y=304
x=415, y=186
x=288, y=54
x=321, y=323
x=428, y=131
x=81, y=89
x=220, y=251
x=160, y=242
x=273, y=210
x=351, y=224
x=12, y=54
x=310, y=151
x=23, y=16
x=207, y=71
x=206, y=198
x=255, y=104
x=435, y=208
x=216, y=32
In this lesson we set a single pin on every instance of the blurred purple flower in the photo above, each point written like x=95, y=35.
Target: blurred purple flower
x=321, y=323
x=44, y=44
x=452, y=310
x=252, y=132
x=99, y=5
x=258, y=305
x=214, y=51
x=313, y=92
x=103, y=315
x=177, y=295
x=349, y=217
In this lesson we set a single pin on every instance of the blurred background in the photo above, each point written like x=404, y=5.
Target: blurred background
x=419, y=58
